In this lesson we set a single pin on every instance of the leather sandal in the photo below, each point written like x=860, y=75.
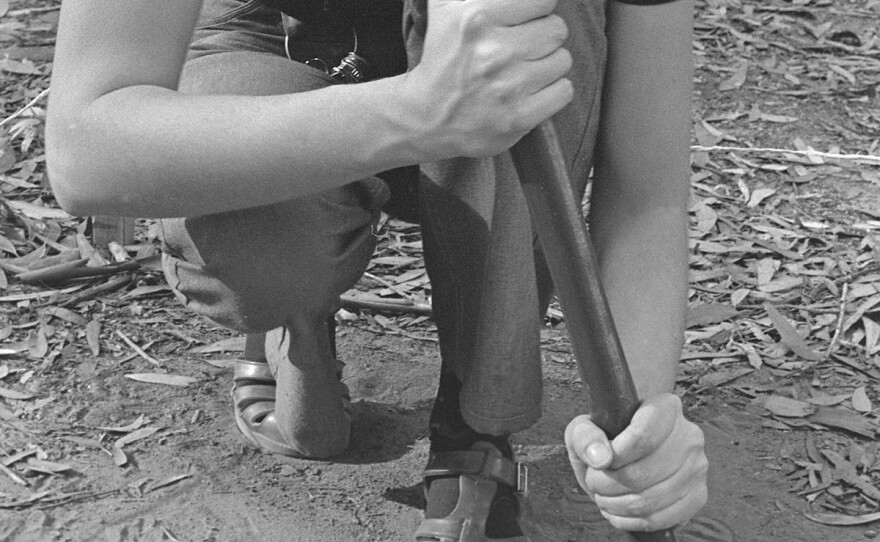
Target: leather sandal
x=253, y=398
x=480, y=470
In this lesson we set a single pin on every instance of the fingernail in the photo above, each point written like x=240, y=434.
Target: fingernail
x=598, y=454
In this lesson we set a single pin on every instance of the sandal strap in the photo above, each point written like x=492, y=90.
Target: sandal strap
x=245, y=395
x=258, y=371
x=478, y=463
x=255, y=413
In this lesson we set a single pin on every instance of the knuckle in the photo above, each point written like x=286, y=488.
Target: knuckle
x=638, y=508
x=475, y=17
x=641, y=440
x=637, y=477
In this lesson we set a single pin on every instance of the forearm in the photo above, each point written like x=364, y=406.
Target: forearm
x=149, y=151
x=639, y=201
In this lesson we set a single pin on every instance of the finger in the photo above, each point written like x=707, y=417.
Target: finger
x=676, y=513
x=651, y=425
x=683, y=452
x=587, y=443
x=543, y=104
x=533, y=76
x=535, y=39
x=690, y=478
x=507, y=13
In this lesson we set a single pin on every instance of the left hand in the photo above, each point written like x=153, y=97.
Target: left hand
x=652, y=476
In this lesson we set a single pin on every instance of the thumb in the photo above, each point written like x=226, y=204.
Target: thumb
x=588, y=444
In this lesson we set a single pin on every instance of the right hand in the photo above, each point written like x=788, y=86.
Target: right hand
x=491, y=70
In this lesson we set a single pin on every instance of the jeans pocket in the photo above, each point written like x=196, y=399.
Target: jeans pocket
x=218, y=12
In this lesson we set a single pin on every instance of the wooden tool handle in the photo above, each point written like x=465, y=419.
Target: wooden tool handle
x=543, y=171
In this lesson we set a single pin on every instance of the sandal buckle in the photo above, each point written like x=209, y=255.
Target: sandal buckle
x=522, y=478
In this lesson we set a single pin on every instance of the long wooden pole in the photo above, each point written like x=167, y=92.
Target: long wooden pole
x=566, y=243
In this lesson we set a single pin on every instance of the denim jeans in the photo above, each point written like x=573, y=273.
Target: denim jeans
x=285, y=265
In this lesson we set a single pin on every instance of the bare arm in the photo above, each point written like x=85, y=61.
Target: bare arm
x=653, y=475
x=639, y=203
x=122, y=140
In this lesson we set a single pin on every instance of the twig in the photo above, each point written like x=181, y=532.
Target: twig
x=841, y=313
x=15, y=478
x=389, y=285
x=868, y=158
x=101, y=289
x=74, y=270
x=137, y=348
x=21, y=111
x=395, y=307
x=386, y=331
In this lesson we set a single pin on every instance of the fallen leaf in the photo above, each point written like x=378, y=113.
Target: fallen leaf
x=139, y=422
x=84, y=442
x=66, y=315
x=789, y=335
x=860, y=400
x=709, y=313
x=788, y=407
x=827, y=518
x=847, y=420
x=38, y=344
x=827, y=400
x=168, y=481
x=15, y=395
x=752, y=355
x=144, y=291
x=221, y=363
x=135, y=436
x=738, y=78
x=119, y=456
x=232, y=344
x=166, y=379
x=93, y=336
x=759, y=196
x=47, y=467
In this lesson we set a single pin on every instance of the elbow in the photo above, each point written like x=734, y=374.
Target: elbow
x=69, y=177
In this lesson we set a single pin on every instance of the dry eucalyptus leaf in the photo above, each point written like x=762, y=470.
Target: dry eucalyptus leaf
x=165, y=379
x=67, y=315
x=119, y=457
x=232, y=344
x=790, y=337
x=860, y=400
x=93, y=336
x=709, y=313
x=827, y=518
x=788, y=407
x=827, y=400
x=135, y=436
x=139, y=422
x=840, y=418
x=47, y=467
x=168, y=481
x=6, y=393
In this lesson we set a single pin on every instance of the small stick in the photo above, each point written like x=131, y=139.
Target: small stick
x=867, y=158
x=15, y=478
x=838, y=330
x=137, y=349
x=101, y=289
x=405, y=307
x=389, y=285
x=74, y=270
x=21, y=111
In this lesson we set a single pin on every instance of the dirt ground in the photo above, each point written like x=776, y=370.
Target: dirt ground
x=89, y=454
x=372, y=493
